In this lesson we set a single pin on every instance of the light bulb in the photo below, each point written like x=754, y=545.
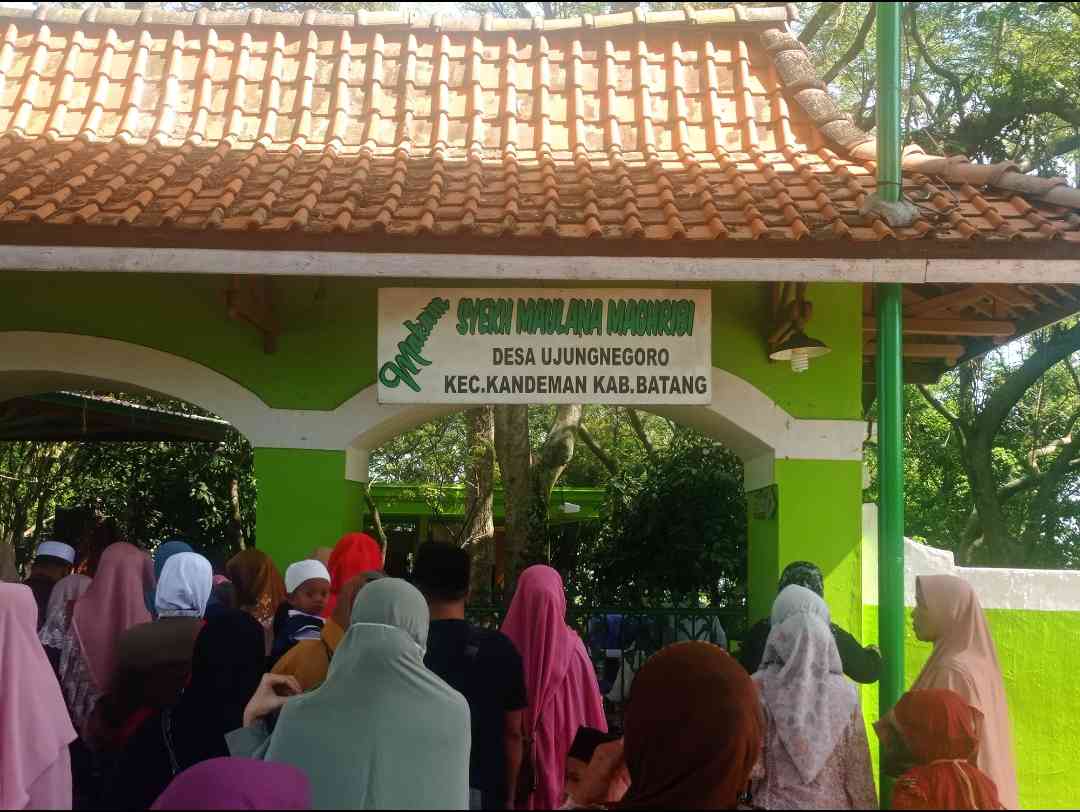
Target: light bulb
x=800, y=360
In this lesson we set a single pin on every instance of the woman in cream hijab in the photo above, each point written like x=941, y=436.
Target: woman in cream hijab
x=948, y=614
x=383, y=732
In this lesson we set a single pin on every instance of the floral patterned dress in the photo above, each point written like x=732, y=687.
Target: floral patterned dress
x=845, y=782
x=78, y=686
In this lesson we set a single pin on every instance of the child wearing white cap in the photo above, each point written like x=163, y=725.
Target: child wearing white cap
x=52, y=561
x=307, y=584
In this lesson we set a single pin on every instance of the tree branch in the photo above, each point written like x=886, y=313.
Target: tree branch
x=823, y=14
x=1073, y=374
x=639, y=430
x=946, y=74
x=1048, y=488
x=855, y=48
x=1061, y=345
x=941, y=409
x=594, y=447
x=1063, y=145
x=376, y=518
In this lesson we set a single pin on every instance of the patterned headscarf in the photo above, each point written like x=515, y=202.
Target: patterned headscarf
x=803, y=573
x=260, y=589
x=802, y=683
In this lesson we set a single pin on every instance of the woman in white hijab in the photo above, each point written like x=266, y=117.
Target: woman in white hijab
x=383, y=732
x=816, y=754
x=153, y=660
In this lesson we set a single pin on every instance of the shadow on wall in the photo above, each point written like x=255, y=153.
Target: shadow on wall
x=1034, y=616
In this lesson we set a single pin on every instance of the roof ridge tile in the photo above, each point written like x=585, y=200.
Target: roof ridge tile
x=153, y=14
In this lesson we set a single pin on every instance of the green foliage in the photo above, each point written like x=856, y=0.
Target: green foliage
x=435, y=452
x=674, y=532
x=994, y=81
x=156, y=490
x=161, y=490
x=939, y=500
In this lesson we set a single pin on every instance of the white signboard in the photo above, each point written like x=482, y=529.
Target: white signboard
x=544, y=345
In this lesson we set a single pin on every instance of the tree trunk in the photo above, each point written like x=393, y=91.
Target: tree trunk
x=478, y=535
x=515, y=462
x=554, y=456
x=376, y=517
x=236, y=525
x=8, y=573
x=527, y=483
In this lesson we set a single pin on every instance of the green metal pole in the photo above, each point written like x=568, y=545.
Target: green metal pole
x=890, y=381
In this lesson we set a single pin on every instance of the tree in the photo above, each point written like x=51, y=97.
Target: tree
x=673, y=532
x=993, y=81
x=528, y=477
x=992, y=469
x=30, y=475
x=1050, y=461
x=478, y=534
x=201, y=491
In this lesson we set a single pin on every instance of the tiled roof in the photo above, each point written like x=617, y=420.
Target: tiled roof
x=701, y=125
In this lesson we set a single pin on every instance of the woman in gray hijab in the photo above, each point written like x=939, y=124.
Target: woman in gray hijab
x=383, y=732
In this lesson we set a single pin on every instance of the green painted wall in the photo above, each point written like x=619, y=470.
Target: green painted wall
x=832, y=387
x=763, y=563
x=819, y=519
x=1039, y=661
x=325, y=356
x=304, y=502
x=326, y=351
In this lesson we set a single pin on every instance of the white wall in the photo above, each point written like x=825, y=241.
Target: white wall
x=997, y=588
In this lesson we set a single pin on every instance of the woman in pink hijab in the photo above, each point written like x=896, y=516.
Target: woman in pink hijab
x=35, y=731
x=113, y=604
x=559, y=679
x=948, y=614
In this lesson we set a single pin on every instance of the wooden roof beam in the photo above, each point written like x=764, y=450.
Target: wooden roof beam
x=251, y=299
x=949, y=327
x=950, y=353
x=1009, y=294
x=965, y=297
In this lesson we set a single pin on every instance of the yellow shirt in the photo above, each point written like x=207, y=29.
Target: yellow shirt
x=309, y=660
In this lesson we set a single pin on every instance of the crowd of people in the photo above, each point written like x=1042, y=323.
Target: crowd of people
x=153, y=682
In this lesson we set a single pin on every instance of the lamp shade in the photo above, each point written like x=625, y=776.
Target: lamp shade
x=799, y=348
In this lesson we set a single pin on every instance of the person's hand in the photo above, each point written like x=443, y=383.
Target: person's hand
x=606, y=779
x=273, y=692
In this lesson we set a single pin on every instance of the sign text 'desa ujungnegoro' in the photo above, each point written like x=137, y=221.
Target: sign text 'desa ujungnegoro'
x=516, y=345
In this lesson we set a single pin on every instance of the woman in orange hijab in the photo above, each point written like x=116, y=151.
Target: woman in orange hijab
x=355, y=553
x=938, y=731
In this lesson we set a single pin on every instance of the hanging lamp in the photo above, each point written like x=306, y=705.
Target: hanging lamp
x=799, y=348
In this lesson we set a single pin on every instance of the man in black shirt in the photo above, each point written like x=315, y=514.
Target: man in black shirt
x=480, y=663
x=860, y=664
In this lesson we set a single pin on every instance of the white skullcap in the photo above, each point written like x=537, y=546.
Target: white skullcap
x=305, y=570
x=56, y=549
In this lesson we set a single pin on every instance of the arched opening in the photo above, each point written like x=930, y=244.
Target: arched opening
x=110, y=429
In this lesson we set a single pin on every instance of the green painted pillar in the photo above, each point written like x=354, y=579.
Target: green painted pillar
x=304, y=502
x=818, y=518
x=890, y=381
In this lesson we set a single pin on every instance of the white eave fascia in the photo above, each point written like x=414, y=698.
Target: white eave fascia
x=504, y=267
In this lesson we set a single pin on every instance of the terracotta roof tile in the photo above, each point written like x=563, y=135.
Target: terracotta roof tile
x=685, y=124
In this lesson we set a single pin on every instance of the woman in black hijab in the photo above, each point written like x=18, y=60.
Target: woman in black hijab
x=861, y=664
x=227, y=664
